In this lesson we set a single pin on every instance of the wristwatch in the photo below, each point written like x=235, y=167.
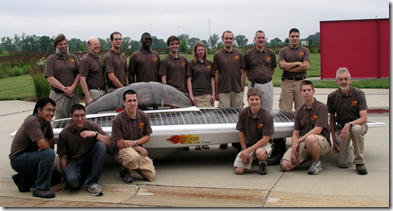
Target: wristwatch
x=350, y=124
x=136, y=143
x=95, y=137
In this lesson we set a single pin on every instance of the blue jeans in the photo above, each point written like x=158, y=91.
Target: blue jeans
x=35, y=168
x=87, y=168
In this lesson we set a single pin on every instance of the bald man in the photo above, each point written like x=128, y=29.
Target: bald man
x=91, y=72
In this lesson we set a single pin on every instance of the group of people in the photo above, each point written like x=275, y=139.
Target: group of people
x=82, y=144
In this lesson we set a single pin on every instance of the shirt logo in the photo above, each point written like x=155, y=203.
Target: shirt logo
x=259, y=126
x=72, y=60
x=301, y=54
x=354, y=103
x=209, y=67
x=236, y=57
x=314, y=117
x=268, y=58
x=183, y=64
x=154, y=59
x=141, y=125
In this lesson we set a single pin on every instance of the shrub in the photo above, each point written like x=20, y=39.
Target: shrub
x=41, y=85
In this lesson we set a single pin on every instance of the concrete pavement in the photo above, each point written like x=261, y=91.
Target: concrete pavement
x=205, y=178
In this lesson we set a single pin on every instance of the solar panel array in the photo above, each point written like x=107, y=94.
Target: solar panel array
x=204, y=116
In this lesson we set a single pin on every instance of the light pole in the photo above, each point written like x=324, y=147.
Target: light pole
x=210, y=42
x=186, y=32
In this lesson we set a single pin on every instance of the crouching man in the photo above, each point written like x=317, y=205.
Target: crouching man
x=82, y=151
x=130, y=130
x=255, y=126
x=310, y=139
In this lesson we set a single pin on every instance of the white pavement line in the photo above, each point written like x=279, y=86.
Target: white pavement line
x=16, y=113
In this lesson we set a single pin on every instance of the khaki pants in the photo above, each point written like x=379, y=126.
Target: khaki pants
x=131, y=159
x=63, y=103
x=253, y=155
x=95, y=93
x=351, y=152
x=231, y=100
x=303, y=153
x=290, y=93
x=266, y=94
x=203, y=100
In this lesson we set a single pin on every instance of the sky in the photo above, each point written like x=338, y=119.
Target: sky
x=162, y=18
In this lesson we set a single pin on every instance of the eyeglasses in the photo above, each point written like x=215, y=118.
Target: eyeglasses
x=343, y=79
x=176, y=43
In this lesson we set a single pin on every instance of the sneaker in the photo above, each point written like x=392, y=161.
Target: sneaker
x=43, y=193
x=20, y=184
x=126, y=174
x=95, y=190
x=315, y=168
x=262, y=167
x=361, y=169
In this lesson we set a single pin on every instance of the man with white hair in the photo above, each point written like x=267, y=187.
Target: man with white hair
x=91, y=71
x=347, y=108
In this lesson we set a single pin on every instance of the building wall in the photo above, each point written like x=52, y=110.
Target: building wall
x=360, y=45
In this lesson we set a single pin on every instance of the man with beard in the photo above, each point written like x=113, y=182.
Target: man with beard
x=144, y=63
x=32, y=154
x=91, y=70
x=348, y=117
x=115, y=64
x=62, y=73
x=260, y=64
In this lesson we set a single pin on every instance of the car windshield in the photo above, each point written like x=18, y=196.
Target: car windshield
x=151, y=96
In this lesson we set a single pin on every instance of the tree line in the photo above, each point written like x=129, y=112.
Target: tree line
x=45, y=43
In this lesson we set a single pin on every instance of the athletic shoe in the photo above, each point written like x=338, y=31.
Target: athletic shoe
x=262, y=167
x=361, y=169
x=22, y=187
x=126, y=174
x=95, y=190
x=315, y=168
x=43, y=193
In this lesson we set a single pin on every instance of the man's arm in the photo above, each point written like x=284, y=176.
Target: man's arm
x=216, y=76
x=332, y=125
x=85, y=89
x=359, y=121
x=55, y=83
x=294, y=66
x=42, y=144
x=242, y=79
x=63, y=164
x=104, y=138
x=114, y=80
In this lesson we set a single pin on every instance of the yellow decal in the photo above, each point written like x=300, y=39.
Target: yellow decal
x=184, y=139
x=314, y=117
x=260, y=126
x=354, y=103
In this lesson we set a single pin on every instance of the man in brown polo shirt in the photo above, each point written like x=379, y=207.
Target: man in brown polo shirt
x=260, y=64
x=82, y=152
x=348, y=121
x=62, y=73
x=228, y=64
x=310, y=139
x=91, y=71
x=32, y=154
x=255, y=126
x=294, y=60
x=115, y=64
x=173, y=67
x=130, y=130
x=145, y=62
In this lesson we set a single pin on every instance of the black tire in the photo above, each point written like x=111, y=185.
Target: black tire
x=279, y=149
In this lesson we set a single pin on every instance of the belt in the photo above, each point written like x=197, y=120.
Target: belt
x=259, y=82
x=93, y=87
x=294, y=79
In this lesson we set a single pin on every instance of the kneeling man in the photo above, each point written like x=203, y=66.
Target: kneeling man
x=310, y=139
x=255, y=126
x=82, y=151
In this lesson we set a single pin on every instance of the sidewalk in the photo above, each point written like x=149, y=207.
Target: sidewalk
x=205, y=178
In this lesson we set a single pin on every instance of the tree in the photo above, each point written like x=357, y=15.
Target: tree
x=213, y=40
x=286, y=41
x=276, y=42
x=158, y=43
x=241, y=40
x=206, y=43
x=183, y=47
x=191, y=42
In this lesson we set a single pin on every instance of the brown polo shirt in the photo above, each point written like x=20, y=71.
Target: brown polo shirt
x=316, y=116
x=255, y=128
x=64, y=69
x=200, y=74
x=124, y=127
x=175, y=71
x=346, y=107
x=73, y=145
x=116, y=63
x=259, y=64
x=289, y=54
x=29, y=132
x=145, y=65
x=92, y=68
x=229, y=65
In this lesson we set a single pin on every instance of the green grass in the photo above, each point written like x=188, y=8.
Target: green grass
x=22, y=87
x=17, y=88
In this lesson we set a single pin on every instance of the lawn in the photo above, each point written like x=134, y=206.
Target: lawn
x=22, y=88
